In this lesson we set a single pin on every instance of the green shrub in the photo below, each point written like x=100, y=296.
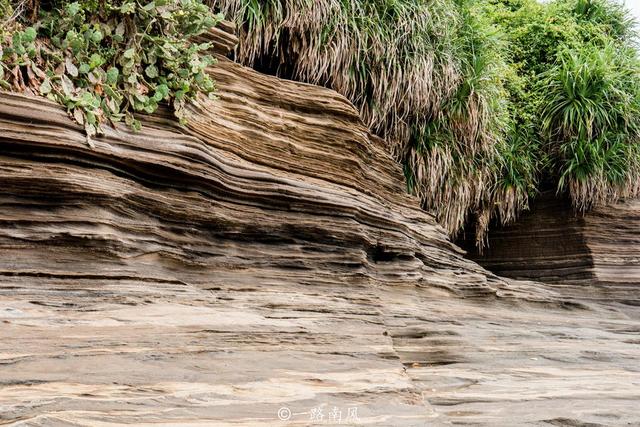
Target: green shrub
x=105, y=61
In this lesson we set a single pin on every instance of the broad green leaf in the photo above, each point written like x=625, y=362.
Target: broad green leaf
x=96, y=36
x=73, y=8
x=112, y=75
x=120, y=29
x=142, y=98
x=87, y=98
x=77, y=45
x=127, y=8
x=67, y=86
x=29, y=35
x=45, y=87
x=71, y=68
x=95, y=60
x=78, y=116
x=151, y=71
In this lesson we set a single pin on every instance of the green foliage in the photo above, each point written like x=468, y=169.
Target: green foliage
x=573, y=85
x=598, y=20
x=107, y=60
x=455, y=154
x=591, y=118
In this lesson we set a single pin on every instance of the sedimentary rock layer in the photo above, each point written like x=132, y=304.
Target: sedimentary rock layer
x=215, y=272
x=264, y=266
x=612, y=234
x=598, y=251
x=546, y=244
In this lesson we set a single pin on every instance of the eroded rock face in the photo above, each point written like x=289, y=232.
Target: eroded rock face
x=265, y=261
x=547, y=244
x=600, y=249
x=612, y=234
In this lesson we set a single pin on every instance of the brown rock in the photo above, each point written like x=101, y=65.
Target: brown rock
x=596, y=254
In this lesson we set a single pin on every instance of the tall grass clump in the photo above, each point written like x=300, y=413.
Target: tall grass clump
x=453, y=159
x=591, y=118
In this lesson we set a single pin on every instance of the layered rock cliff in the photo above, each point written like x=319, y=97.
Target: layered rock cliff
x=546, y=244
x=597, y=251
x=264, y=266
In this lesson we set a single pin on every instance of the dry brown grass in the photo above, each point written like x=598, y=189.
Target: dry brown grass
x=374, y=55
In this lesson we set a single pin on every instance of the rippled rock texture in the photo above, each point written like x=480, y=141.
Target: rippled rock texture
x=264, y=266
x=553, y=244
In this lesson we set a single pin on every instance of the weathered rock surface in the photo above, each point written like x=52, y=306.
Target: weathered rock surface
x=267, y=257
x=553, y=244
x=547, y=244
x=613, y=236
